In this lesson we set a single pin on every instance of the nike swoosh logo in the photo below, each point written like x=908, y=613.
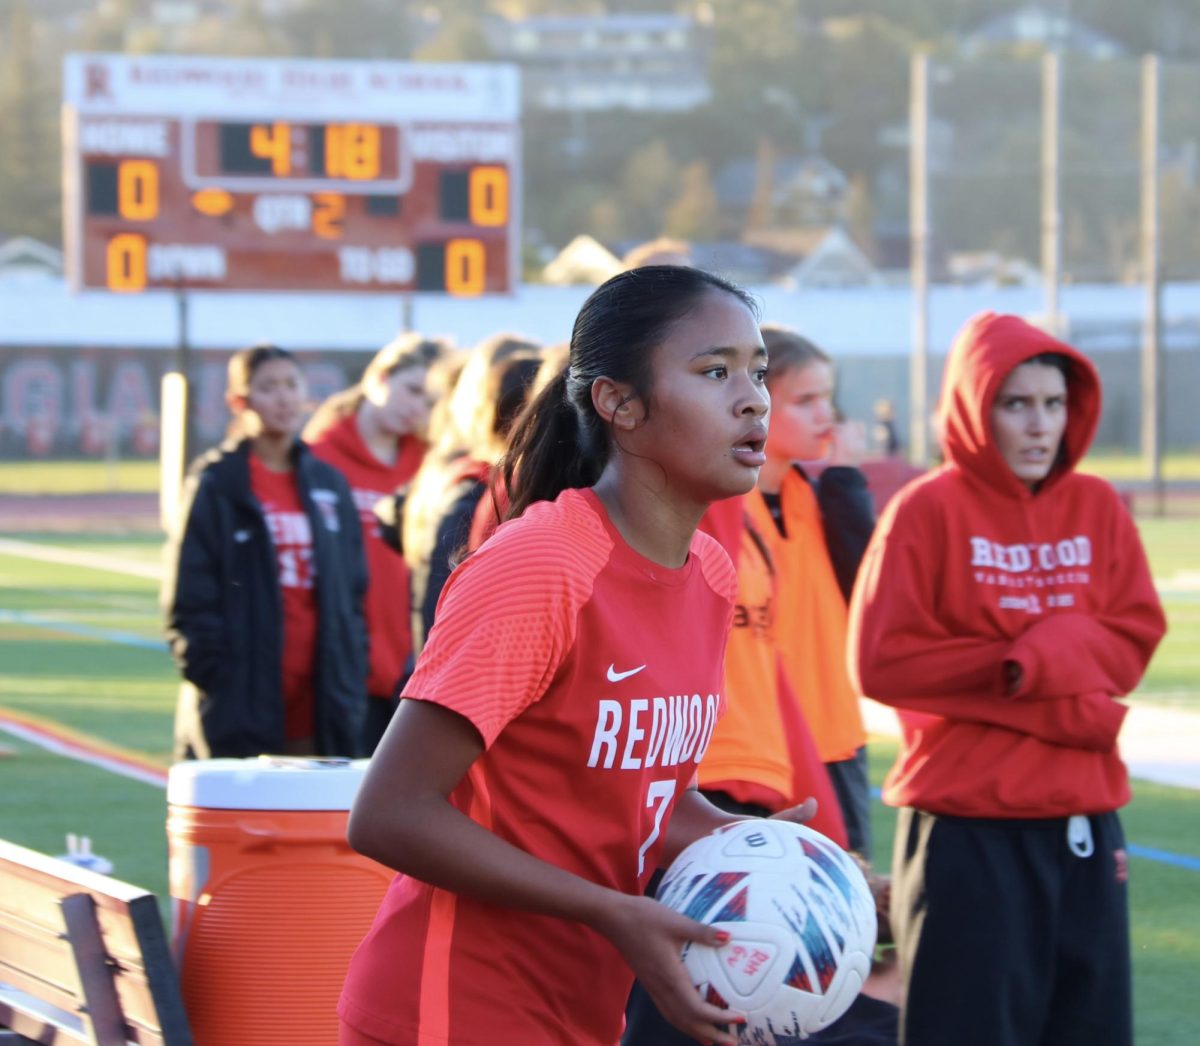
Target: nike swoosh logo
x=615, y=677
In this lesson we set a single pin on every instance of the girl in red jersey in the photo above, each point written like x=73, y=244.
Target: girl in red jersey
x=542, y=763
x=373, y=433
x=1003, y=604
x=266, y=575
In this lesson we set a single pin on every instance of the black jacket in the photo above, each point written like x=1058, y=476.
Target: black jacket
x=224, y=616
x=847, y=517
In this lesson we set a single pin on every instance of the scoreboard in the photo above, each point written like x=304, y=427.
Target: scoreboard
x=290, y=175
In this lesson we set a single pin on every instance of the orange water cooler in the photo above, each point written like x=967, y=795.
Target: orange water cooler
x=268, y=901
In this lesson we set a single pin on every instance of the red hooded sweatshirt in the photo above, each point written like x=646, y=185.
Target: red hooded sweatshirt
x=387, y=600
x=968, y=568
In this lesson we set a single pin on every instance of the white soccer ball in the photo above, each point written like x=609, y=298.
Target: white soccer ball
x=801, y=921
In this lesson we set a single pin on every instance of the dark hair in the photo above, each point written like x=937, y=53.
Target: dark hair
x=1060, y=361
x=788, y=350
x=517, y=375
x=243, y=365
x=559, y=441
x=404, y=352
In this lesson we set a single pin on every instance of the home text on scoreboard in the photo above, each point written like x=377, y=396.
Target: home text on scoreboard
x=285, y=175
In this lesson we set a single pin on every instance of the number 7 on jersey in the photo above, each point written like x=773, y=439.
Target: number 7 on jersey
x=658, y=795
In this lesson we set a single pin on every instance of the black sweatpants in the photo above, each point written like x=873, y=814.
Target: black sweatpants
x=1009, y=934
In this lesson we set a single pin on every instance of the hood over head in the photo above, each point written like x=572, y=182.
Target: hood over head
x=984, y=353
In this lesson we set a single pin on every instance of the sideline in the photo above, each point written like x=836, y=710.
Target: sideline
x=61, y=740
x=78, y=558
x=73, y=628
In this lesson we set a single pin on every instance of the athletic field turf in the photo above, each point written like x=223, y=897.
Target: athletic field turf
x=81, y=650
x=141, y=476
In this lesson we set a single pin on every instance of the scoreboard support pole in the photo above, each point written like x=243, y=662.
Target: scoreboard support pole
x=406, y=314
x=175, y=438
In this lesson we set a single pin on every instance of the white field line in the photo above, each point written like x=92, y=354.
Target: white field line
x=78, y=558
x=81, y=753
x=1184, y=581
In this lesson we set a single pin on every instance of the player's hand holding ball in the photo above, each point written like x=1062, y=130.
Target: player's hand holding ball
x=800, y=923
x=651, y=936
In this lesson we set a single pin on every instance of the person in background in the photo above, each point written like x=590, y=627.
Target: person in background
x=884, y=434
x=438, y=510
x=514, y=789
x=1003, y=605
x=265, y=580
x=374, y=434
x=493, y=506
x=817, y=533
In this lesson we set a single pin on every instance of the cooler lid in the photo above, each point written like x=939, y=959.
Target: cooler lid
x=266, y=783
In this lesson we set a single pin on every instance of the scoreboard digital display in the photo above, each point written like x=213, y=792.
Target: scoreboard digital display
x=290, y=175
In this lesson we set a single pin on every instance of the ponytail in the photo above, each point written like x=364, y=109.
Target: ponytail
x=549, y=450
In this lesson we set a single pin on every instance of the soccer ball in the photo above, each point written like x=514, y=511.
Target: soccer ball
x=801, y=921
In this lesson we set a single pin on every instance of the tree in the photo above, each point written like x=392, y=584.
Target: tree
x=762, y=205
x=695, y=214
x=649, y=181
x=460, y=38
x=29, y=177
x=350, y=29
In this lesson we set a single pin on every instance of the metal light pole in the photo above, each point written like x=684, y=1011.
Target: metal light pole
x=1152, y=355
x=175, y=445
x=918, y=188
x=1051, y=212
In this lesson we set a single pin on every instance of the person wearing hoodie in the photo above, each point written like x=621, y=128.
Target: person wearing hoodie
x=1003, y=605
x=264, y=586
x=373, y=433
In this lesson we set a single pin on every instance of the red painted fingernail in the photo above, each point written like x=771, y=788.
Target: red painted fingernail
x=722, y=937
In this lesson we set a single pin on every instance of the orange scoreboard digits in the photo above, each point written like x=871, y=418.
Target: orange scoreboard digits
x=275, y=174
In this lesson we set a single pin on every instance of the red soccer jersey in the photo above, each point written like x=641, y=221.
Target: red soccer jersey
x=291, y=535
x=593, y=676
x=386, y=606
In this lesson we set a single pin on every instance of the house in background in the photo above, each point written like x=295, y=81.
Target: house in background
x=1036, y=25
x=25, y=259
x=595, y=63
x=991, y=268
x=820, y=257
x=741, y=262
x=585, y=260
x=816, y=257
x=803, y=191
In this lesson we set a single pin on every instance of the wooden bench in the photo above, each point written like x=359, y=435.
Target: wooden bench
x=83, y=958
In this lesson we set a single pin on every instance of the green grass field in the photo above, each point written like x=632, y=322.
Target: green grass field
x=78, y=477
x=140, y=476
x=59, y=665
